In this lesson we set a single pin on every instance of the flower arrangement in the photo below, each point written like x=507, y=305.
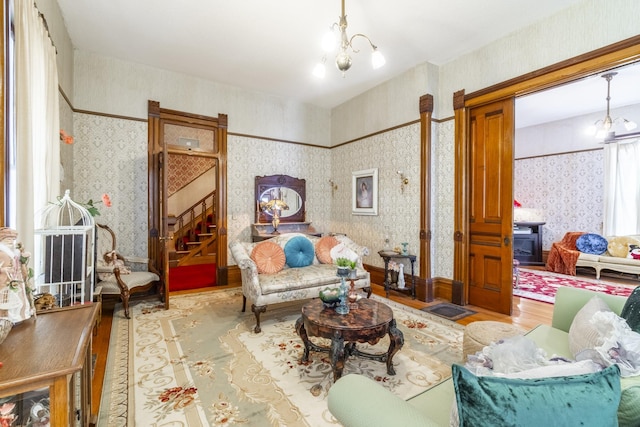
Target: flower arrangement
x=65, y=137
x=345, y=263
x=91, y=205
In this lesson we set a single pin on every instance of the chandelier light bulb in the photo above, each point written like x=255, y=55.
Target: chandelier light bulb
x=320, y=70
x=329, y=41
x=629, y=125
x=377, y=59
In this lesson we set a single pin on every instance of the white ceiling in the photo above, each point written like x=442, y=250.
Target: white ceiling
x=272, y=46
x=581, y=97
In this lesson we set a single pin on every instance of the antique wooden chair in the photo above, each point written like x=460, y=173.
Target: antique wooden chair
x=113, y=276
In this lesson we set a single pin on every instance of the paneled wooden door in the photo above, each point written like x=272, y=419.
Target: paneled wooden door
x=491, y=129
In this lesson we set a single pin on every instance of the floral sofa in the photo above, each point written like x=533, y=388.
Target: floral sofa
x=292, y=266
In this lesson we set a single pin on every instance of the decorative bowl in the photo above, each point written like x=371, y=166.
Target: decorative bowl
x=330, y=297
x=5, y=328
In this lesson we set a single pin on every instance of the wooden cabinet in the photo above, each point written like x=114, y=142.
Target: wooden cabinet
x=264, y=231
x=49, y=358
x=527, y=243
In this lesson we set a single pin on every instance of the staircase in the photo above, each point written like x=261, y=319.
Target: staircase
x=195, y=234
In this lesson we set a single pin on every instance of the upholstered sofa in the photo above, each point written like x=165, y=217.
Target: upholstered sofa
x=358, y=401
x=614, y=259
x=299, y=270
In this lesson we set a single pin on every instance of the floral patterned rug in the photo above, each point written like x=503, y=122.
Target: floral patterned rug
x=542, y=285
x=200, y=364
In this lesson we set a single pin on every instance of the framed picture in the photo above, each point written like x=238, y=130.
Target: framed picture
x=365, y=192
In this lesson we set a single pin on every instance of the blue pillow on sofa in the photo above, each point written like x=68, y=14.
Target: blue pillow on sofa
x=592, y=244
x=585, y=400
x=299, y=252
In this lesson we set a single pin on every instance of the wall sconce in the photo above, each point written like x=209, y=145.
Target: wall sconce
x=334, y=186
x=403, y=180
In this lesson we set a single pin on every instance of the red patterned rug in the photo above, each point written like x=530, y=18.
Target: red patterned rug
x=542, y=285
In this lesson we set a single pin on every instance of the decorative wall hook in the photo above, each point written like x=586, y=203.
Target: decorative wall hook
x=334, y=186
x=403, y=180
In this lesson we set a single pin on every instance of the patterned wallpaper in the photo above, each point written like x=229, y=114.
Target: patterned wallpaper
x=183, y=169
x=398, y=212
x=567, y=188
x=110, y=156
x=124, y=177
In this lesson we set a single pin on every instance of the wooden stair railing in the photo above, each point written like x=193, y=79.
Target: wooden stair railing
x=194, y=220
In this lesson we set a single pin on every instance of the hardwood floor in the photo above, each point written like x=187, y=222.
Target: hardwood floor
x=526, y=314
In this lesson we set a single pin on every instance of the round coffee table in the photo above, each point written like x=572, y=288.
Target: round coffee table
x=365, y=324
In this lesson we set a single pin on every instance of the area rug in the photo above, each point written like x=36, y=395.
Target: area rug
x=542, y=285
x=200, y=364
x=192, y=277
x=448, y=311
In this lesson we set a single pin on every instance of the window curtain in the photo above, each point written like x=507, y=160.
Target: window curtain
x=37, y=120
x=622, y=189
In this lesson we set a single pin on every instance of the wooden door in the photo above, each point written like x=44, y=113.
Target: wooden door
x=490, y=133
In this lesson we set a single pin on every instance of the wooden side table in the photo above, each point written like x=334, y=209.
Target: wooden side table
x=388, y=256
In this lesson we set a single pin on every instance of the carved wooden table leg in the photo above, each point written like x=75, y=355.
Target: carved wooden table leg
x=302, y=333
x=337, y=355
x=396, y=341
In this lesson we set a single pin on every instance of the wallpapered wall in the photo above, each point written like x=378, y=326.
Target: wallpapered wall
x=398, y=212
x=110, y=156
x=568, y=188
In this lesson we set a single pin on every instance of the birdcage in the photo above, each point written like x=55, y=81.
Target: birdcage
x=64, y=255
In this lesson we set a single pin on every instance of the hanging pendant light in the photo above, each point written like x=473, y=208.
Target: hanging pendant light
x=604, y=129
x=337, y=37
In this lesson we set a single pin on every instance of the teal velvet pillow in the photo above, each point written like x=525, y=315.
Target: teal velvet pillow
x=631, y=310
x=576, y=400
x=299, y=252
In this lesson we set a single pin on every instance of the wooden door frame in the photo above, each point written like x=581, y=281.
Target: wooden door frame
x=155, y=116
x=597, y=61
x=426, y=111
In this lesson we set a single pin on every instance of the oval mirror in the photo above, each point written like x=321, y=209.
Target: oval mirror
x=287, y=195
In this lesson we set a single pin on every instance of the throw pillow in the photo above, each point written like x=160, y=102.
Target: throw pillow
x=299, y=252
x=269, y=257
x=634, y=252
x=629, y=409
x=587, y=400
x=631, y=310
x=592, y=244
x=619, y=246
x=323, y=249
x=583, y=335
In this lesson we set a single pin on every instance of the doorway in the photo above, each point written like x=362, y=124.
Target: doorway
x=621, y=53
x=187, y=198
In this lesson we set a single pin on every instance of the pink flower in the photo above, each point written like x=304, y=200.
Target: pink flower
x=67, y=139
x=106, y=200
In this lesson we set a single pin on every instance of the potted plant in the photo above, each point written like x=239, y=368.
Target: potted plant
x=344, y=265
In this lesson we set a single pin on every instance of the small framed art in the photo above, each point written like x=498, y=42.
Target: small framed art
x=365, y=192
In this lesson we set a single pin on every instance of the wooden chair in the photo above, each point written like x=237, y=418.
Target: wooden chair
x=113, y=276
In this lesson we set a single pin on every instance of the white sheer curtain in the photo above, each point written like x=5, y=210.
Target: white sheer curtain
x=622, y=189
x=37, y=119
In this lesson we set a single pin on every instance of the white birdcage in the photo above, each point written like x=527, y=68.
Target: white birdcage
x=64, y=256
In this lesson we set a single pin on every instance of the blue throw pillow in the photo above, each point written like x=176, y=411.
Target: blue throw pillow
x=592, y=244
x=576, y=400
x=299, y=252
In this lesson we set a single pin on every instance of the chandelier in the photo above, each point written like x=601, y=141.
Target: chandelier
x=337, y=38
x=604, y=129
